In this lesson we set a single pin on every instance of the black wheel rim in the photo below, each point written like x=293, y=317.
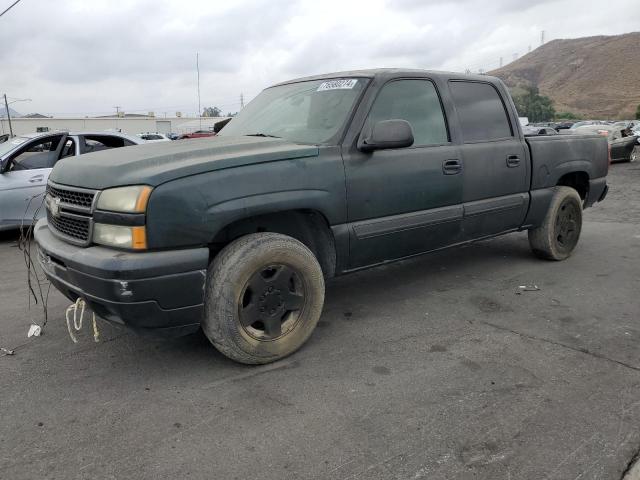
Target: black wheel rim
x=271, y=302
x=567, y=228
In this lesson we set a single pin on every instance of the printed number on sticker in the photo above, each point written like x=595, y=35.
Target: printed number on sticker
x=344, y=84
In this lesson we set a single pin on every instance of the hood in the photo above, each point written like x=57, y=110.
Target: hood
x=156, y=163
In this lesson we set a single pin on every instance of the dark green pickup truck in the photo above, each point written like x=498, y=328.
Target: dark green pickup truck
x=316, y=177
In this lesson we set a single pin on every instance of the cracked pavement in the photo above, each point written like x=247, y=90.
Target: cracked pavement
x=429, y=368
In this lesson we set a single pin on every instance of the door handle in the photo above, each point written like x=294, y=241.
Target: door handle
x=452, y=166
x=513, y=161
x=36, y=178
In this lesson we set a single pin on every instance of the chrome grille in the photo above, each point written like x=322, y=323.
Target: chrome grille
x=69, y=212
x=80, y=198
x=74, y=227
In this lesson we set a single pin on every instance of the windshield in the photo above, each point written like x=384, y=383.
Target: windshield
x=313, y=112
x=11, y=144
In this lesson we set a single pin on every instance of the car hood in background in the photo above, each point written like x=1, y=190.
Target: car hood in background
x=156, y=163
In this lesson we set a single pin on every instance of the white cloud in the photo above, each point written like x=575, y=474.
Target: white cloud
x=76, y=56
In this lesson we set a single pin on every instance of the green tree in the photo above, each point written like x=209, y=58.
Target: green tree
x=211, y=112
x=567, y=116
x=638, y=113
x=536, y=107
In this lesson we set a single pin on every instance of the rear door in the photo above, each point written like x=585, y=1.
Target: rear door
x=404, y=201
x=496, y=160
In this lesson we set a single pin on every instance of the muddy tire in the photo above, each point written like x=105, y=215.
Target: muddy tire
x=559, y=233
x=264, y=296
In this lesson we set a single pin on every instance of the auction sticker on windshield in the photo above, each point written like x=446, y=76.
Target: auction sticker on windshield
x=343, y=84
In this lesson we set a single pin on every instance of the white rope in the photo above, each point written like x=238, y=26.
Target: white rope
x=77, y=321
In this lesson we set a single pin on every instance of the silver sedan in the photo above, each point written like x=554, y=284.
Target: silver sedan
x=25, y=164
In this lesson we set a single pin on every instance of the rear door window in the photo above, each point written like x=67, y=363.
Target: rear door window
x=95, y=143
x=481, y=112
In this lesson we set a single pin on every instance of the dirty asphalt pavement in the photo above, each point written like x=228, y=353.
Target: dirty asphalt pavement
x=430, y=368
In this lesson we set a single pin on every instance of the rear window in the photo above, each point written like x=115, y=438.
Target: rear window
x=481, y=112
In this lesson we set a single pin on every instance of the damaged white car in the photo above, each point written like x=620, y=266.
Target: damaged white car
x=27, y=160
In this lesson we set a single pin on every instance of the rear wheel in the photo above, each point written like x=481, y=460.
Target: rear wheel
x=559, y=233
x=264, y=297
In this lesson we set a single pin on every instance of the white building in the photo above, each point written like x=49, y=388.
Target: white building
x=130, y=125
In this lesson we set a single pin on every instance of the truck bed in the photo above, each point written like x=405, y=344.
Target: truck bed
x=554, y=156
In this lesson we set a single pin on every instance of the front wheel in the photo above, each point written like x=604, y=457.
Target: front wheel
x=265, y=293
x=559, y=233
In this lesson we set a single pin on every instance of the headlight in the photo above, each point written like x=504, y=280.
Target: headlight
x=120, y=236
x=125, y=199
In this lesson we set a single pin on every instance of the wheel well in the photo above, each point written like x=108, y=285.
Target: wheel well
x=308, y=226
x=579, y=181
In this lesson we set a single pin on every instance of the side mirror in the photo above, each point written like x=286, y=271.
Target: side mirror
x=387, y=134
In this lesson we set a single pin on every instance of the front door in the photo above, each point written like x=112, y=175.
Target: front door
x=24, y=179
x=404, y=201
x=21, y=194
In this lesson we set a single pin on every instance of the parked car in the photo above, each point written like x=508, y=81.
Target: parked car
x=27, y=160
x=582, y=123
x=563, y=125
x=198, y=134
x=621, y=141
x=528, y=130
x=623, y=145
x=592, y=129
x=315, y=177
x=153, y=137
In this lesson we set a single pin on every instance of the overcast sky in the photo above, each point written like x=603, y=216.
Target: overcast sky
x=85, y=57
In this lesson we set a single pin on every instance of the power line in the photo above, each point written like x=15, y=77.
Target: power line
x=10, y=7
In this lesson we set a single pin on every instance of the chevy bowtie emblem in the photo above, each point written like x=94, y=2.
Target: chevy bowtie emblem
x=54, y=206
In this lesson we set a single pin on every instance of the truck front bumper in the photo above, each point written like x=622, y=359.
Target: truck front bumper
x=155, y=292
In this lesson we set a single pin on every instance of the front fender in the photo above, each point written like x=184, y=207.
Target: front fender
x=190, y=211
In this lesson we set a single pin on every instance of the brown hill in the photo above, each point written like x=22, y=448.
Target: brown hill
x=597, y=77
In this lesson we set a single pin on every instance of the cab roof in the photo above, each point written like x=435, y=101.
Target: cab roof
x=388, y=73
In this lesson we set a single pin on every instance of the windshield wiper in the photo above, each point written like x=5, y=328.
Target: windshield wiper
x=261, y=135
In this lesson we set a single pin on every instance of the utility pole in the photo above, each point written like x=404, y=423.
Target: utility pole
x=500, y=62
x=241, y=101
x=6, y=106
x=199, y=107
x=542, y=37
x=117, y=107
